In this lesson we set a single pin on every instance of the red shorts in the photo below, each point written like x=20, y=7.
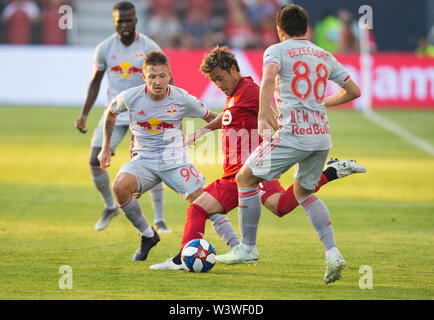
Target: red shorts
x=225, y=192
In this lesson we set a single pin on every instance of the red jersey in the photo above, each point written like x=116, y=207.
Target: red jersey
x=240, y=126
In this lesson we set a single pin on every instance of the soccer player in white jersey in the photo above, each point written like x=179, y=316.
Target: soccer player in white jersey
x=156, y=110
x=120, y=56
x=302, y=135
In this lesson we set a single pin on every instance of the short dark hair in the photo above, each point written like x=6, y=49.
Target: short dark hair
x=219, y=57
x=123, y=6
x=292, y=19
x=156, y=58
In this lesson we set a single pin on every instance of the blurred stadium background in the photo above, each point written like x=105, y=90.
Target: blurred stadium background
x=57, y=64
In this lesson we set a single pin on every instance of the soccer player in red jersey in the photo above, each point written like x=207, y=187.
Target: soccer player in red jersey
x=239, y=124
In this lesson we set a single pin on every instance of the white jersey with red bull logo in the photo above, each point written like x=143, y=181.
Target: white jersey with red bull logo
x=123, y=64
x=304, y=69
x=156, y=126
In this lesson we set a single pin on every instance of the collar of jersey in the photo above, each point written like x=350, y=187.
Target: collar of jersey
x=243, y=79
x=137, y=36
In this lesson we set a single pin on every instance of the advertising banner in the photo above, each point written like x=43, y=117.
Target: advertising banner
x=59, y=76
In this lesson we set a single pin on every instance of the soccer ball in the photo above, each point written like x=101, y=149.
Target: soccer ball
x=198, y=255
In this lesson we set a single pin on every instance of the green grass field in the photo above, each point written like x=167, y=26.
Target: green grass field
x=383, y=219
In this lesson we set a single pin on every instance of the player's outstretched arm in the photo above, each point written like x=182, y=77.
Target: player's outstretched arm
x=91, y=95
x=214, y=122
x=104, y=156
x=211, y=117
x=348, y=92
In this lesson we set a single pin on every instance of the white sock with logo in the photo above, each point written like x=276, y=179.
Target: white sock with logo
x=320, y=218
x=249, y=213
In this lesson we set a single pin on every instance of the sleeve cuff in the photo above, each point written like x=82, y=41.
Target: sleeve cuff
x=112, y=110
x=206, y=114
x=272, y=62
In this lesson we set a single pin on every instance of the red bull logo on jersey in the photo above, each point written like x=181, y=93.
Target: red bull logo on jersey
x=155, y=125
x=125, y=69
x=172, y=110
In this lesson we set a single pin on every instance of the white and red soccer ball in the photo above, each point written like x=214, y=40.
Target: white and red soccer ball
x=198, y=255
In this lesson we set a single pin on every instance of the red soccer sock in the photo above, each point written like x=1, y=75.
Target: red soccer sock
x=287, y=201
x=269, y=187
x=195, y=225
x=322, y=181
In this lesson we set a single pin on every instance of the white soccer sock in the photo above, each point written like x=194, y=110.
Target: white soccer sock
x=149, y=232
x=249, y=213
x=320, y=218
x=247, y=248
x=224, y=229
x=157, y=202
x=134, y=213
x=331, y=251
x=102, y=184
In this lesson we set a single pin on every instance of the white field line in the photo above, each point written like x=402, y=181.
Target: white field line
x=399, y=131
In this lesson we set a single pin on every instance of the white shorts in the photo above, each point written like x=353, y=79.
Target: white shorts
x=183, y=178
x=271, y=160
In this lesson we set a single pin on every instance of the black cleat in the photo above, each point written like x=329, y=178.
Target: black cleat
x=146, y=244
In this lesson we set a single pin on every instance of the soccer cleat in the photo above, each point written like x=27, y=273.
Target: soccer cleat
x=106, y=217
x=162, y=228
x=335, y=263
x=238, y=255
x=168, y=265
x=345, y=168
x=146, y=244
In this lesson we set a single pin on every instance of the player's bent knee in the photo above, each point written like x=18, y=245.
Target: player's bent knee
x=93, y=158
x=271, y=203
x=209, y=204
x=124, y=186
x=300, y=192
x=94, y=164
x=96, y=171
x=245, y=178
x=242, y=177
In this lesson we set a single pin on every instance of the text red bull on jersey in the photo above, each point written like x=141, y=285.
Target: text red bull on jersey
x=125, y=69
x=155, y=125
